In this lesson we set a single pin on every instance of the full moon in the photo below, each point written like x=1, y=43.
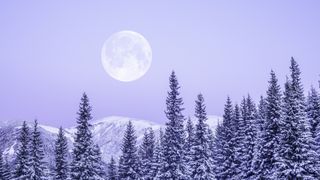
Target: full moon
x=126, y=56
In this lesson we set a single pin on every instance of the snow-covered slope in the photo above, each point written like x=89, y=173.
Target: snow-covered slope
x=107, y=133
x=9, y=135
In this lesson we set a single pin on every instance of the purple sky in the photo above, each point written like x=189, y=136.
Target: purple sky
x=50, y=54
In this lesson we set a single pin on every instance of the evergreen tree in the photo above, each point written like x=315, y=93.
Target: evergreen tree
x=247, y=128
x=296, y=157
x=4, y=169
x=211, y=146
x=146, y=154
x=226, y=154
x=98, y=164
x=261, y=114
x=7, y=169
x=237, y=138
x=173, y=165
x=23, y=156
x=82, y=165
x=240, y=147
x=61, y=150
x=217, y=151
x=129, y=161
x=202, y=167
x=156, y=159
x=269, y=133
x=190, y=142
x=37, y=165
x=313, y=110
x=112, y=170
x=190, y=135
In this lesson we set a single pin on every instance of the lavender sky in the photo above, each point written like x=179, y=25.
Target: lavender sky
x=50, y=54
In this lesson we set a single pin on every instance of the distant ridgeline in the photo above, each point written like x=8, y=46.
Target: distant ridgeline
x=277, y=139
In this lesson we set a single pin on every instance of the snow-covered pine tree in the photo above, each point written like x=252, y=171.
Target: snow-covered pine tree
x=4, y=171
x=227, y=151
x=296, y=157
x=61, y=171
x=248, y=136
x=98, y=164
x=157, y=155
x=313, y=110
x=147, y=149
x=190, y=141
x=82, y=165
x=269, y=132
x=112, y=170
x=7, y=169
x=237, y=138
x=37, y=165
x=156, y=160
x=211, y=146
x=190, y=135
x=129, y=161
x=217, y=151
x=240, y=150
x=202, y=167
x=23, y=156
x=261, y=114
x=173, y=165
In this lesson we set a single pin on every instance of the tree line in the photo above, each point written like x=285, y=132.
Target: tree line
x=277, y=139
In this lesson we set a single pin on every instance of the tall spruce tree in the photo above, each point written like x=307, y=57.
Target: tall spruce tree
x=61, y=171
x=147, y=149
x=248, y=136
x=7, y=169
x=269, y=133
x=156, y=161
x=226, y=154
x=237, y=138
x=37, y=164
x=157, y=155
x=261, y=118
x=211, y=146
x=313, y=114
x=296, y=157
x=4, y=171
x=82, y=165
x=23, y=155
x=190, y=142
x=261, y=114
x=98, y=165
x=112, y=170
x=313, y=110
x=202, y=167
x=217, y=151
x=173, y=164
x=190, y=130
x=240, y=149
x=129, y=161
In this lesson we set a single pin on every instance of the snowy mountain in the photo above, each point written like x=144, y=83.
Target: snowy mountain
x=107, y=133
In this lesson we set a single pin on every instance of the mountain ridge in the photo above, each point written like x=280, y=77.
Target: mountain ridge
x=107, y=133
